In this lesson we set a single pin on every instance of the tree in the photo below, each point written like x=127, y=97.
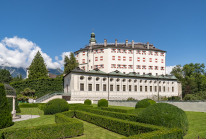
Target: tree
x=70, y=63
x=38, y=69
x=17, y=78
x=5, y=113
x=5, y=76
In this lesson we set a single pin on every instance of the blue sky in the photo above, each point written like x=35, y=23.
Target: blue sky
x=58, y=27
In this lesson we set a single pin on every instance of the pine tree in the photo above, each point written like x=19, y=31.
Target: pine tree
x=38, y=69
x=5, y=113
x=70, y=63
x=5, y=76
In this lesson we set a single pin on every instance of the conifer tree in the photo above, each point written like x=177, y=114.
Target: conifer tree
x=5, y=76
x=38, y=69
x=70, y=63
x=5, y=113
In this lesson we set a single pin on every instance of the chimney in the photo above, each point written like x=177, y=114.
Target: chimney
x=132, y=44
x=147, y=45
x=126, y=42
x=105, y=42
x=115, y=42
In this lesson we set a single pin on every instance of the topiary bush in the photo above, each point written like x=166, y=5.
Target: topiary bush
x=144, y=103
x=87, y=102
x=164, y=114
x=102, y=103
x=56, y=106
x=5, y=112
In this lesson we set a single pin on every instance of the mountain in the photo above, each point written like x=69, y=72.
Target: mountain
x=17, y=71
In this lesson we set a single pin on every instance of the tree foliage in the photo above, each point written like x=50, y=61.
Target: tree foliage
x=192, y=76
x=38, y=69
x=70, y=63
x=5, y=76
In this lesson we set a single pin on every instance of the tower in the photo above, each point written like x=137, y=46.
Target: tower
x=92, y=41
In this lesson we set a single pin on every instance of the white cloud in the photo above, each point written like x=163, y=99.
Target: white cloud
x=19, y=52
x=169, y=69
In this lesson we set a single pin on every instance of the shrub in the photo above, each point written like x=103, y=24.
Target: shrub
x=174, y=98
x=102, y=103
x=164, y=114
x=5, y=113
x=41, y=106
x=10, y=101
x=78, y=106
x=131, y=99
x=56, y=106
x=87, y=102
x=144, y=103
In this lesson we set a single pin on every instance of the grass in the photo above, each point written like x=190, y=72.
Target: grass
x=197, y=125
x=31, y=111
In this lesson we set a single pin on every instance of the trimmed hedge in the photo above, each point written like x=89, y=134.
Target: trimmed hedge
x=87, y=102
x=5, y=113
x=174, y=98
x=144, y=103
x=164, y=114
x=64, y=127
x=56, y=106
x=10, y=101
x=28, y=105
x=102, y=103
x=129, y=128
x=79, y=106
x=41, y=106
x=116, y=110
x=117, y=115
x=41, y=86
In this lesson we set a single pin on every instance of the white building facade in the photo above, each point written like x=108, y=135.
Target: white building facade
x=142, y=58
x=96, y=84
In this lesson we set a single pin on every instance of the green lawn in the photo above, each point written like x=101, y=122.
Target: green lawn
x=197, y=124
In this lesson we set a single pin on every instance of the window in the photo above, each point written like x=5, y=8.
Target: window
x=83, y=67
x=130, y=58
x=156, y=67
x=113, y=57
x=143, y=73
x=164, y=89
x=162, y=68
x=150, y=67
x=155, y=88
x=121, y=50
x=77, y=54
x=102, y=50
x=144, y=59
x=96, y=58
x=117, y=87
x=159, y=88
x=138, y=59
x=77, y=60
x=150, y=88
x=83, y=60
x=90, y=87
x=113, y=65
x=135, y=88
x=99, y=50
x=145, y=88
x=162, y=54
x=172, y=89
x=104, y=87
x=124, y=87
x=96, y=66
x=138, y=66
x=97, y=87
x=156, y=74
x=144, y=67
x=140, y=88
x=138, y=52
x=118, y=50
x=102, y=66
x=130, y=66
x=155, y=60
x=162, y=60
x=130, y=88
x=150, y=59
x=101, y=58
x=124, y=58
x=124, y=66
x=119, y=58
x=143, y=52
x=83, y=53
x=118, y=66
x=95, y=51
x=81, y=87
x=125, y=51
x=156, y=53
x=111, y=87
